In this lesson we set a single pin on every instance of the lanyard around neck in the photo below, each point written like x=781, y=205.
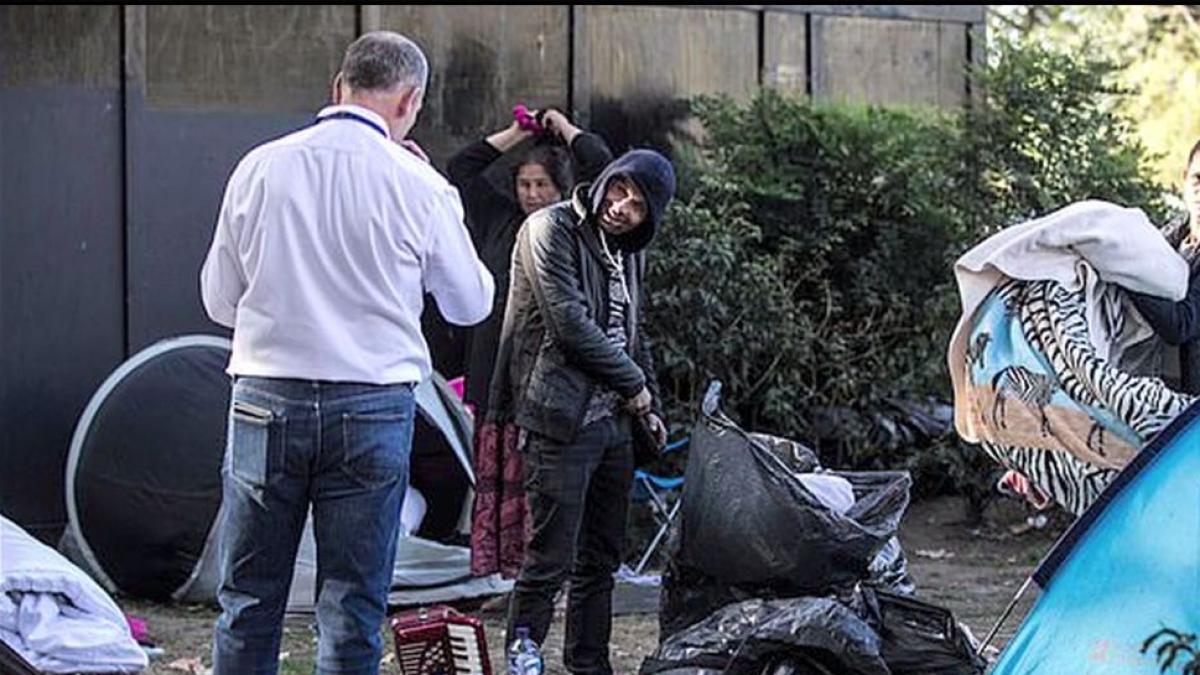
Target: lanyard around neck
x=347, y=115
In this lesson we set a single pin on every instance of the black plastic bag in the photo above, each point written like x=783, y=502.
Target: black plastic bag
x=919, y=638
x=764, y=579
x=812, y=635
x=747, y=519
x=889, y=570
x=750, y=529
x=891, y=424
x=868, y=632
x=688, y=595
x=929, y=420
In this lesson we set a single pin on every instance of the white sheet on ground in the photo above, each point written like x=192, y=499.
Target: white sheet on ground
x=55, y=616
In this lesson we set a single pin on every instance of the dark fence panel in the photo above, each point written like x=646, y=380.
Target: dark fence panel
x=483, y=60
x=635, y=66
x=206, y=84
x=61, y=296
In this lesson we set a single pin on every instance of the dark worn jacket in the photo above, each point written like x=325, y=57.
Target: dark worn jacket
x=553, y=350
x=1178, y=323
x=493, y=217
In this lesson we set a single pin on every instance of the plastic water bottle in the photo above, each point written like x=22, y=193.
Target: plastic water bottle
x=524, y=658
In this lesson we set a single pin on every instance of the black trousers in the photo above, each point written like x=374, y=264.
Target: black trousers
x=578, y=496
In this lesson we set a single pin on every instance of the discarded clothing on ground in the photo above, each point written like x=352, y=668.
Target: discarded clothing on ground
x=1035, y=357
x=54, y=616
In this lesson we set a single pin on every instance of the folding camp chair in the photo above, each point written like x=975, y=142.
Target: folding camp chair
x=661, y=493
x=656, y=490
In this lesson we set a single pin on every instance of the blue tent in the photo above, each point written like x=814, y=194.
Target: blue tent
x=1128, y=567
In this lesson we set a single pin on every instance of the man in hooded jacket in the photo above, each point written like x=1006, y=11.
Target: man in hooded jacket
x=574, y=373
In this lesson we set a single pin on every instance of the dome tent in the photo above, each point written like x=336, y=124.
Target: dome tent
x=143, y=484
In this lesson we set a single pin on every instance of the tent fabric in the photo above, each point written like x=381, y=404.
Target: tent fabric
x=440, y=462
x=425, y=572
x=1127, y=568
x=143, y=478
x=56, y=618
x=144, y=481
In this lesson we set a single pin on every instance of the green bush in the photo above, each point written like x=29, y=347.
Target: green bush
x=807, y=263
x=1049, y=135
x=798, y=266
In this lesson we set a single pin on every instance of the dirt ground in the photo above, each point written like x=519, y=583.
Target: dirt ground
x=973, y=571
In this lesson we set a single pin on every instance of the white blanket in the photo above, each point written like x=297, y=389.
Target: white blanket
x=55, y=616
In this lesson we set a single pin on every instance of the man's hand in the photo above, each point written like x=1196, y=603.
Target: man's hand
x=658, y=428
x=558, y=124
x=640, y=405
x=411, y=146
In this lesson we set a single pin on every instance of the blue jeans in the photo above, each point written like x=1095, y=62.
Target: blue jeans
x=344, y=449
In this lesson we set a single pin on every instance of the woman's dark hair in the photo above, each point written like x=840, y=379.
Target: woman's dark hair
x=555, y=160
x=1192, y=155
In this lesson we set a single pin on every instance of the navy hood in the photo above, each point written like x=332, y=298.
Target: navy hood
x=654, y=176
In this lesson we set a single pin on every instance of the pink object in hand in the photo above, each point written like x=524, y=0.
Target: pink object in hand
x=526, y=120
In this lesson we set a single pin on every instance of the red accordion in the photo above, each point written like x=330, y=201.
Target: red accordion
x=440, y=641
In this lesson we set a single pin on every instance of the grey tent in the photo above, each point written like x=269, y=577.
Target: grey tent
x=143, y=485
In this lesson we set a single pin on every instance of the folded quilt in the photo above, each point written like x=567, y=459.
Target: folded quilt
x=55, y=616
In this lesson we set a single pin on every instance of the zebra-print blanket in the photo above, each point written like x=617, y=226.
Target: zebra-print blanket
x=1045, y=404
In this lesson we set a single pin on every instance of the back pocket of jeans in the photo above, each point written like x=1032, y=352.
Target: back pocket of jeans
x=376, y=447
x=255, y=443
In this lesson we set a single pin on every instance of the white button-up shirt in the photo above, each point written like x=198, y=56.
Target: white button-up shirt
x=326, y=242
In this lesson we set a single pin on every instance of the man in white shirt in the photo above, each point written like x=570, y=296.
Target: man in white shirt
x=326, y=241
